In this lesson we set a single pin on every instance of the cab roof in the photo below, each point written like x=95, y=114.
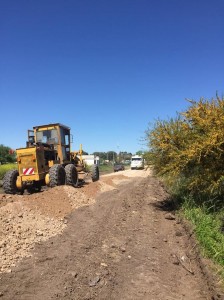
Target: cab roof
x=52, y=125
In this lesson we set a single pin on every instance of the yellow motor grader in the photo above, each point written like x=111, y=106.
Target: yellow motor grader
x=47, y=160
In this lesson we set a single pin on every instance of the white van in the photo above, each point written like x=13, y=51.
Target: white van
x=137, y=162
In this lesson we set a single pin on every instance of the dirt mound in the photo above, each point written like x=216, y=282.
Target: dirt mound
x=29, y=219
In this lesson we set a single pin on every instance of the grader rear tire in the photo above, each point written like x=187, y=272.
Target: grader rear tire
x=71, y=175
x=95, y=173
x=57, y=175
x=9, y=182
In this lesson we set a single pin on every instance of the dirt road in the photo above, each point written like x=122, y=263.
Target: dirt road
x=112, y=239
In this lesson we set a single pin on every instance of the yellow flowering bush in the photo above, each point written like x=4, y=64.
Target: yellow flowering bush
x=191, y=146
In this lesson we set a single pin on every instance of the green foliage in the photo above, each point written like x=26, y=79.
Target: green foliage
x=5, y=168
x=140, y=152
x=106, y=169
x=110, y=155
x=191, y=146
x=87, y=168
x=113, y=156
x=124, y=156
x=208, y=228
x=7, y=155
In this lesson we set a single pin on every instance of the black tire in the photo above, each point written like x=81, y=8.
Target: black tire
x=9, y=182
x=57, y=175
x=71, y=175
x=95, y=173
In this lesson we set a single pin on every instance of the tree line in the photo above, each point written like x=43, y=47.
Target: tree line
x=113, y=156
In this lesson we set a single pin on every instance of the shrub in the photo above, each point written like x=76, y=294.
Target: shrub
x=191, y=146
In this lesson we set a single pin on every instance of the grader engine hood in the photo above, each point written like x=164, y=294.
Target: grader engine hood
x=31, y=163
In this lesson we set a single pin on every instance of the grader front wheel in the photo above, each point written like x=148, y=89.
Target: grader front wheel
x=95, y=173
x=56, y=175
x=9, y=182
x=71, y=175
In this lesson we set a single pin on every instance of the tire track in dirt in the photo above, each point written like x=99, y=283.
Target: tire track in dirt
x=121, y=247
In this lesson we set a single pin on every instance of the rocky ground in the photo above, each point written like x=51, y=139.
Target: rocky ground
x=112, y=239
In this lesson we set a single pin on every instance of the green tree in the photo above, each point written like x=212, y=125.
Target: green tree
x=7, y=155
x=102, y=155
x=125, y=155
x=140, y=152
x=112, y=155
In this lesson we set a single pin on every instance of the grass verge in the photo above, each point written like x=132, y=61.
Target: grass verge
x=207, y=219
x=106, y=169
x=5, y=168
x=209, y=231
x=208, y=226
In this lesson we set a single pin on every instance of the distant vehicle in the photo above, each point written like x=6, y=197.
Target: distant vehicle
x=118, y=167
x=137, y=162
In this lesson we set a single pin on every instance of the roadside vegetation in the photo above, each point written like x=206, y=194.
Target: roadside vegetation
x=106, y=168
x=187, y=152
x=7, y=155
x=7, y=160
x=5, y=168
x=111, y=156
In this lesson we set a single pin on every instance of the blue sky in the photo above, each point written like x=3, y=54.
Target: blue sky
x=106, y=69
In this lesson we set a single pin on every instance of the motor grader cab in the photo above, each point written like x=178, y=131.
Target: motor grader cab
x=47, y=160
